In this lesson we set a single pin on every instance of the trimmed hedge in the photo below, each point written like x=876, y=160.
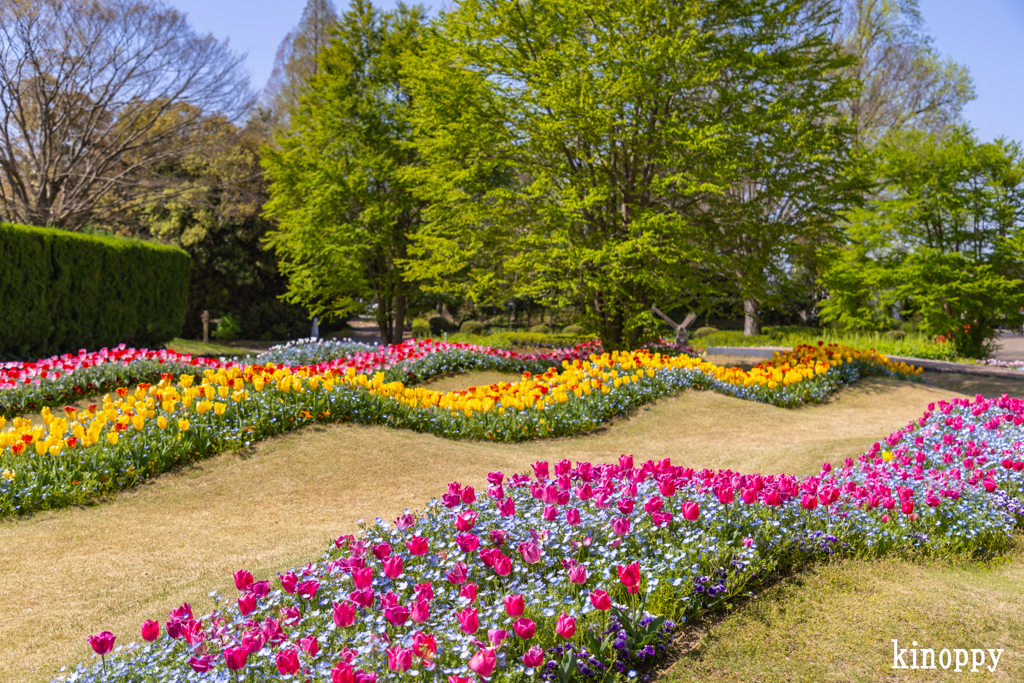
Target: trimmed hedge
x=61, y=291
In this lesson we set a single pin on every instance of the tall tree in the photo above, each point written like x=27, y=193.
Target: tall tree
x=906, y=83
x=577, y=152
x=94, y=97
x=944, y=240
x=297, y=58
x=343, y=211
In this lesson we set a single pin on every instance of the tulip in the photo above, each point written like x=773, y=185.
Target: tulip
x=417, y=546
x=253, y=640
x=201, y=664
x=469, y=622
x=540, y=470
x=399, y=659
x=102, y=643
x=578, y=575
x=397, y=615
x=514, y=605
x=243, y=580
x=235, y=657
x=362, y=578
x=393, y=567
x=342, y=673
x=498, y=536
x=484, y=661
x=468, y=495
x=307, y=589
x=601, y=600
x=503, y=565
x=630, y=577
x=907, y=506
x=468, y=591
x=565, y=626
x=288, y=582
x=725, y=495
x=524, y=628
x=550, y=513
x=620, y=526
x=344, y=614
x=420, y=611
x=467, y=542
x=809, y=501
x=424, y=646
x=458, y=573
x=381, y=551
x=572, y=516
x=246, y=603
x=310, y=645
x=530, y=552
x=261, y=589
x=496, y=635
x=507, y=507
x=287, y=662
x=466, y=520
x=691, y=511
x=150, y=630
x=534, y=657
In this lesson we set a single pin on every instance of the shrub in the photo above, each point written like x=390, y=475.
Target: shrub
x=227, y=329
x=574, y=330
x=895, y=335
x=540, y=329
x=439, y=325
x=703, y=332
x=420, y=328
x=63, y=291
x=473, y=327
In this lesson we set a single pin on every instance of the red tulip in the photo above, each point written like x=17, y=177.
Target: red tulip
x=466, y=520
x=907, y=506
x=150, y=630
x=246, y=603
x=397, y=615
x=503, y=565
x=691, y=511
x=630, y=577
x=424, y=646
x=310, y=645
x=307, y=589
x=342, y=673
x=235, y=657
x=809, y=501
x=287, y=662
x=103, y=642
x=417, y=545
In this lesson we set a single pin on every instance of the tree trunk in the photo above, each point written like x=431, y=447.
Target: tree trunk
x=399, y=318
x=751, y=317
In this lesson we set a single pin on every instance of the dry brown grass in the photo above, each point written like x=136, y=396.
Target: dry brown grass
x=73, y=572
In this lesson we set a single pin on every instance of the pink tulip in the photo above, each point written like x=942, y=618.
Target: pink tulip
x=417, y=545
x=381, y=551
x=620, y=526
x=907, y=506
x=498, y=536
x=420, y=611
x=102, y=643
x=503, y=565
x=484, y=661
x=809, y=501
x=393, y=567
x=691, y=511
x=235, y=657
x=397, y=615
x=578, y=575
x=625, y=505
x=540, y=470
x=469, y=622
x=514, y=605
x=468, y=591
x=458, y=573
x=424, y=646
x=507, y=507
x=725, y=495
x=667, y=487
x=342, y=673
x=496, y=635
x=530, y=552
x=601, y=600
x=653, y=504
x=468, y=495
x=467, y=542
x=459, y=679
x=252, y=640
x=261, y=589
x=287, y=662
x=399, y=659
x=310, y=645
x=424, y=591
x=307, y=589
x=243, y=580
x=534, y=657
x=201, y=664
x=344, y=614
x=466, y=520
x=524, y=628
x=565, y=626
x=572, y=516
x=550, y=513
x=362, y=578
x=150, y=630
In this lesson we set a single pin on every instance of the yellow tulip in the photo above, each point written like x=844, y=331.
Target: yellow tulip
x=183, y=424
x=112, y=438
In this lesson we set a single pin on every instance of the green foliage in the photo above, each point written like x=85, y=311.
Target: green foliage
x=227, y=329
x=574, y=330
x=944, y=241
x=895, y=335
x=420, y=328
x=704, y=331
x=473, y=327
x=913, y=345
x=440, y=325
x=614, y=159
x=63, y=291
x=540, y=329
x=343, y=211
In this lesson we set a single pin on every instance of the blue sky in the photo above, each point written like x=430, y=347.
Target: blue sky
x=985, y=35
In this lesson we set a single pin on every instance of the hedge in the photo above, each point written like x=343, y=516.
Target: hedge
x=62, y=291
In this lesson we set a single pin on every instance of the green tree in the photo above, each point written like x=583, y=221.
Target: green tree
x=944, y=240
x=580, y=153
x=344, y=213
x=297, y=59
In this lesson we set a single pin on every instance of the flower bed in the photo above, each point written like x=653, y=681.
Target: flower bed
x=79, y=454
x=580, y=569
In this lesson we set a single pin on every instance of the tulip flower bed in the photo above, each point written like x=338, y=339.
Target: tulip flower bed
x=80, y=454
x=578, y=571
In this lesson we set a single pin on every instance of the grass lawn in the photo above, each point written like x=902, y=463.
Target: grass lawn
x=278, y=505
